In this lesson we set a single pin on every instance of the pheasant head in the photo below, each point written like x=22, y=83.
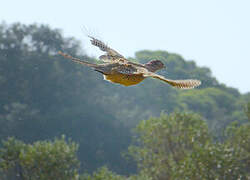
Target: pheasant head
x=154, y=65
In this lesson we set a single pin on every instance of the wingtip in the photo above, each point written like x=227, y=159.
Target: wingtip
x=91, y=37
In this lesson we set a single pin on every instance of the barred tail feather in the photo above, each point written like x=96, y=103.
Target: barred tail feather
x=182, y=84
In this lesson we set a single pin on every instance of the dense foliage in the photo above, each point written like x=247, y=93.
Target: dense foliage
x=42, y=160
x=179, y=146
x=44, y=95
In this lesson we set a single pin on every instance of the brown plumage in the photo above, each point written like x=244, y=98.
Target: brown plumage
x=118, y=69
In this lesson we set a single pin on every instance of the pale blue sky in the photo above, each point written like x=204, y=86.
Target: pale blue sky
x=214, y=33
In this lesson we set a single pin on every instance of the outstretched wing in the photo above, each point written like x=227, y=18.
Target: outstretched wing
x=183, y=84
x=111, y=55
x=78, y=60
x=104, y=47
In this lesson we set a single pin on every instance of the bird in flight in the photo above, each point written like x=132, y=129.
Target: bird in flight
x=117, y=69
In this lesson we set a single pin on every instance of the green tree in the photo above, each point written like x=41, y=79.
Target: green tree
x=166, y=141
x=178, y=146
x=102, y=174
x=216, y=105
x=45, y=160
x=248, y=110
x=238, y=137
x=213, y=161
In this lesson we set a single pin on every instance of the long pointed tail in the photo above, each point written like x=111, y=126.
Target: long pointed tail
x=77, y=60
x=182, y=84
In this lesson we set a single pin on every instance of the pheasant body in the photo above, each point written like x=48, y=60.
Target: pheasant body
x=126, y=80
x=118, y=69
